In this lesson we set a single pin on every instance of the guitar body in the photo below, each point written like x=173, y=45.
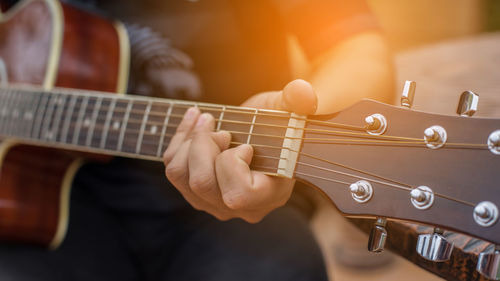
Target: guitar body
x=43, y=42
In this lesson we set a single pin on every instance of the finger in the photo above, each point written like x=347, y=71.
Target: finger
x=177, y=173
x=204, y=149
x=181, y=134
x=243, y=189
x=176, y=170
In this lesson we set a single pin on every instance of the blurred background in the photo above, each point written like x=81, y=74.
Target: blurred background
x=446, y=46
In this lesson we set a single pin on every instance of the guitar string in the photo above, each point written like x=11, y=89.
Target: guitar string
x=308, y=129
x=216, y=108
x=311, y=120
x=137, y=121
x=401, y=186
x=347, y=167
x=116, y=109
x=368, y=141
x=318, y=140
x=340, y=126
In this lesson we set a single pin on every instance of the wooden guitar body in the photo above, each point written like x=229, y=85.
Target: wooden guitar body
x=47, y=43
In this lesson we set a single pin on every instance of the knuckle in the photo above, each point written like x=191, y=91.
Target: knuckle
x=234, y=201
x=202, y=183
x=168, y=156
x=175, y=173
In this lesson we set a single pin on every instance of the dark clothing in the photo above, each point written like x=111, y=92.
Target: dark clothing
x=115, y=235
x=128, y=223
x=239, y=48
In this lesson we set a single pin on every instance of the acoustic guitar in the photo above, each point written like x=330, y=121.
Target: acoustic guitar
x=371, y=160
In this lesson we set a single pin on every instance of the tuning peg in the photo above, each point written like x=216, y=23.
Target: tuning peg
x=408, y=94
x=488, y=264
x=434, y=247
x=378, y=236
x=467, y=105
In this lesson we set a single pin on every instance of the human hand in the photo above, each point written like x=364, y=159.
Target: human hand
x=217, y=179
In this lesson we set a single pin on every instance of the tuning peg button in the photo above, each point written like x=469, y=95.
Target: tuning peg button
x=488, y=264
x=467, y=105
x=434, y=247
x=408, y=94
x=378, y=236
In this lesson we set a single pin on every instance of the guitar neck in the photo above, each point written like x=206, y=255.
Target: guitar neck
x=130, y=126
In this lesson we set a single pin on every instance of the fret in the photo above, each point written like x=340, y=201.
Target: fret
x=116, y=123
x=241, y=127
x=260, y=136
x=107, y=123
x=67, y=119
x=221, y=116
x=11, y=112
x=6, y=112
x=251, y=126
x=97, y=106
x=3, y=109
x=29, y=116
x=124, y=124
x=143, y=125
x=79, y=120
x=61, y=105
x=178, y=111
x=134, y=124
x=25, y=114
x=22, y=107
x=40, y=111
x=164, y=129
x=46, y=134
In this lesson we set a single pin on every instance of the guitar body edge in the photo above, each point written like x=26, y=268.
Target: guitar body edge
x=34, y=206
x=51, y=44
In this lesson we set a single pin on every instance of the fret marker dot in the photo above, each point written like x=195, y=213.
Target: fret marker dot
x=4, y=112
x=154, y=129
x=15, y=113
x=49, y=135
x=86, y=122
x=116, y=125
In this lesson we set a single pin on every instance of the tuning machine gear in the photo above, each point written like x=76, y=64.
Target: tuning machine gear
x=408, y=94
x=488, y=264
x=467, y=104
x=434, y=247
x=378, y=236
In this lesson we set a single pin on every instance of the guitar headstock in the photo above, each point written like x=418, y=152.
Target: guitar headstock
x=377, y=160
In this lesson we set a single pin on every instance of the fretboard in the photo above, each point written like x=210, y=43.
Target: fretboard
x=130, y=126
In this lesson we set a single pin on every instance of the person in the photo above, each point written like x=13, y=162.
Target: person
x=128, y=223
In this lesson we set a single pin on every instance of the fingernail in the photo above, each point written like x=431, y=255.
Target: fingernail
x=202, y=119
x=190, y=113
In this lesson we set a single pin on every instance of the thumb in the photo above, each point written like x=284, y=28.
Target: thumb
x=298, y=96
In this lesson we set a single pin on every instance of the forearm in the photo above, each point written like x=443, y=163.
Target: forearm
x=359, y=67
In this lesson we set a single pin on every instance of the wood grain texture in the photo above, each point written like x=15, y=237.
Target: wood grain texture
x=32, y=178
x=90, y=57
x=30, y=183
x=25, y=43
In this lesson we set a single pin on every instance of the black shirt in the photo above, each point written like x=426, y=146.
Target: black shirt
x=239, y=47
